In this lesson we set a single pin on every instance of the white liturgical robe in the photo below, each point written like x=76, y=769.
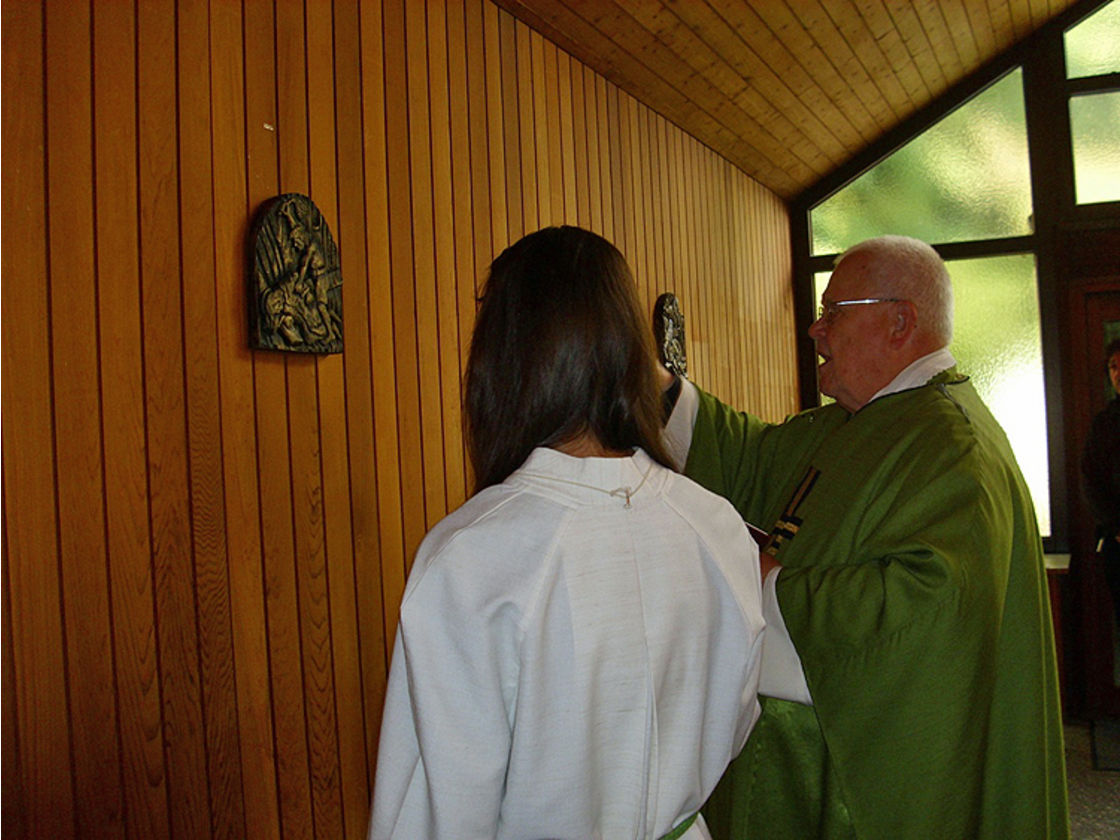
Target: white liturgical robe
x=577, y=657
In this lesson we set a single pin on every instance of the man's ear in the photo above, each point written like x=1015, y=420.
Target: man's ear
x=904, y=322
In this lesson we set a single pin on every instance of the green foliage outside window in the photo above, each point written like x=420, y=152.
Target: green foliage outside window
x=965, y=178
x=1092, y=47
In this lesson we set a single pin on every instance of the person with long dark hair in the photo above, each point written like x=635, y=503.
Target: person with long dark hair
x=579, y=643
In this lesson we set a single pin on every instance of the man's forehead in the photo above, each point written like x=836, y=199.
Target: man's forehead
x=848, y=277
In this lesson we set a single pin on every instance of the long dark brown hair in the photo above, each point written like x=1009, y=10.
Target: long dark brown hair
x=560, y=348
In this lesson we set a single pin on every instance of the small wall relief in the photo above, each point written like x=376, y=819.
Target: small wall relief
x=296, y=284
x=668, y=332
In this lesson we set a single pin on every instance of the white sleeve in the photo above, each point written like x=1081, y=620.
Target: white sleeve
x=782, y=675
x=678, y=431
x=445, y=735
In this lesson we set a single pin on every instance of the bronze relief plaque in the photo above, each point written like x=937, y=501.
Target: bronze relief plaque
x=296, y=285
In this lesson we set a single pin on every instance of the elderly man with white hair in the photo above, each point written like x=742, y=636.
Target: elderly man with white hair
x=909, y=663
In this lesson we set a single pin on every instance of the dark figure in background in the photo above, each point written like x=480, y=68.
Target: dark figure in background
x=1100, y=468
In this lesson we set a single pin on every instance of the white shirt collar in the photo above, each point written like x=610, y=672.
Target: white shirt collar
x=918, y=372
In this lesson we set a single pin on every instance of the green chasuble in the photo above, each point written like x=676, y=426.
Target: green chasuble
x=914, y=590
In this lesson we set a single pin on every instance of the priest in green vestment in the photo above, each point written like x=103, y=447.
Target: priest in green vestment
x=909, y=665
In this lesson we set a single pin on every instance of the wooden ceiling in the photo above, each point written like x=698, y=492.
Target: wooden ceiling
x=786, y=89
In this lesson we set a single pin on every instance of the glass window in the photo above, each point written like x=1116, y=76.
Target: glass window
x=1002, y=356
x=1094, y=121
x=1093, y=45
x=967, y=177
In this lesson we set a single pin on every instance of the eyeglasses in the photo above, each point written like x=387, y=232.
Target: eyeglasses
x=828, y=310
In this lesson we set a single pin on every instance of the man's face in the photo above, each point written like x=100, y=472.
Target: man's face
x=1114, y=371
x=852, y=341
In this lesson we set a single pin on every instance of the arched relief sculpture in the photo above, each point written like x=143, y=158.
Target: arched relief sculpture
x=668, y=332
x=296, y=286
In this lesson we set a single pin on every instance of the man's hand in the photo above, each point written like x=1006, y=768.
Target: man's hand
x=766, y=562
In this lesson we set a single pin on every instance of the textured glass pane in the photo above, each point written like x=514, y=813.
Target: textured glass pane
x=964, y=178
x=1094, y=121
x=1093, y=45
x=997, y=341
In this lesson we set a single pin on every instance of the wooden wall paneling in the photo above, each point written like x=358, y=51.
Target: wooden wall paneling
x=680, y=234
x=591, y=127
x=244, y=166
x=714, y=279
x=551, y=114
x=420, y=129
x=288, y=464
x=737, y=227
x=463, y=272
x=381, y=590
x=326, y=583
x=624, y=183
x=357, y=636
x=527, y=130
x=335, y=156
x=635, y=201
x=444, y=201
x=580, y=163
x=606, y=172
x=508, y=79
x=478, y=105
x=36, y=641
x=143, y=781
x=406, y=360
x=12, y=797
x=540, y=131
x=659, y=270
x=204, y=453
x=566, y=129
x=80, y=496
x=496, y=29
x=160, y=249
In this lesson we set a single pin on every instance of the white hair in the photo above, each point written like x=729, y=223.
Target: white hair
x=907, y=268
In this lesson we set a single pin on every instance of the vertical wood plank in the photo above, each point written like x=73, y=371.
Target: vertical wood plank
x=244, y=165
x=408, y=417
x=424, y=266
x=131, y=586
x=383, y=592
x=444, y=201
x=508, y=77
x=80, y=497
x=290, y=490
x=468, y=195
x=160, y=271
x=332, y=555
x=356, y=632
x=31, y=526
x=533, y=180
x=493, y=30
x=196, y=200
